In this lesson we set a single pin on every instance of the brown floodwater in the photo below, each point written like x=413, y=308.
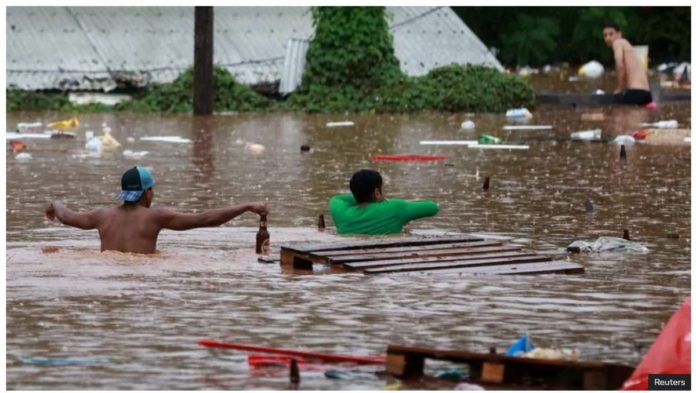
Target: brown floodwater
x=141, y=316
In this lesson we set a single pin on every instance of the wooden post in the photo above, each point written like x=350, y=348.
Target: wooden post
x=203, y=91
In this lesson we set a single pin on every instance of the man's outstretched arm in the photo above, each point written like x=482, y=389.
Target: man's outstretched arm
x=170, y=219
x=56, y=209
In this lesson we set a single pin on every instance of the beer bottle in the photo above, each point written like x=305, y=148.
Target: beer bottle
x=321, y=224
x=263, y=239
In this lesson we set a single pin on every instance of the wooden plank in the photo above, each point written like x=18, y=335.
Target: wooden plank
x=405, y=365
x=336, y=253
x=561, y=267
x=493, y=372
x=501, y=370
x=466, y=356
x=389, y=262
x=424, y=254
x=373, y=243
x=470, y=266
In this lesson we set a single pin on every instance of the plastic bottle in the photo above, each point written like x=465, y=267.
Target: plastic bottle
x=263, y=239
x=518, y=112
x=485, y=139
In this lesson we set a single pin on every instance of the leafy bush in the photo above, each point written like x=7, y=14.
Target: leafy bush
x=351, y=46
x=177, y=96
x=351, y=67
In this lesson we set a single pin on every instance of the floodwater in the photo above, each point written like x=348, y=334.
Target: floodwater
x=141, y=316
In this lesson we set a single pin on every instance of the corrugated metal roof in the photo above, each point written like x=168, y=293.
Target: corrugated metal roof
x=431, y=37
x=293, y=65
x=90, y=48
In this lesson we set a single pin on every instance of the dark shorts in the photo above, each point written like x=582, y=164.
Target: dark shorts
x=634, y=97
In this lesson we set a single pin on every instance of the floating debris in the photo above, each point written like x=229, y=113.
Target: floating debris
x=170, y=139
x=340, y=124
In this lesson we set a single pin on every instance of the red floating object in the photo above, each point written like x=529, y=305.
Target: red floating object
x=640, y=134
x=669, y=354
x=407, y=157
x=306, y=355
x=651, y=105
x=17, y=146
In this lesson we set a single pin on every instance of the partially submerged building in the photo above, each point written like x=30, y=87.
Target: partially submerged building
x=103, y=48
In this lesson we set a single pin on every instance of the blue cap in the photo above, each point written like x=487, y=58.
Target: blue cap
x=134, y=182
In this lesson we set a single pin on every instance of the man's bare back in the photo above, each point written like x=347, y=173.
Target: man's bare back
x=625, y=56
x=631, y=77
x=134, y=226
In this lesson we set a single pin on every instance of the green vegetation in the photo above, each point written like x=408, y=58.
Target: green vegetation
x=542, y=35
x=351, y=67
x=177, y=97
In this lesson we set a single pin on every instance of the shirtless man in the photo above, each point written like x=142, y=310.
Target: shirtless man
x=134, y=226
x=632, y=79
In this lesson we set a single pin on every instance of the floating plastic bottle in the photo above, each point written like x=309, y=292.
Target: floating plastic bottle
x=588, y=135
x=468, y=125
x=624, y=140
x=489, y=139
x=662, y=124
x=519, y=113
x=592, y=69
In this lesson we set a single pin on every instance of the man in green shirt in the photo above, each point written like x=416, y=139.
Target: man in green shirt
x=367, y=212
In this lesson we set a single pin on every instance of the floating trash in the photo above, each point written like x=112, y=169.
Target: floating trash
x=519, y=113
x=28, y=126
x=468, y=125
x=624, y=140
x=17, y=146
x=662, y=124
x=19, y=135
x=135, y=154
x=489, y=139
x=521, y=346
x=340, y=124
x=499, y=147
x=520, y=128
x=553, y=354
x=94, y=144
x=609, y=244
x=254, y=148
x=73, y=122
x=23, y=157
x=588, y=135
x=640, y=134
x=592, y=69
x=453, y=143
x=170, y=139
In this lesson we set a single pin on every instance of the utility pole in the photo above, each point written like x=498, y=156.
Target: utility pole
x=203, y=91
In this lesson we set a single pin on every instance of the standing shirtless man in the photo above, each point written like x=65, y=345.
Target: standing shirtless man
x=632, y=79
x=134, y=225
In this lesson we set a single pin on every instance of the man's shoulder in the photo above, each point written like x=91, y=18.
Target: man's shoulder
x=621, y=43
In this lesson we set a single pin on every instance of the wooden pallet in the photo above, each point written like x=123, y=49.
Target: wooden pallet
x=501, y=371
x=460, y=254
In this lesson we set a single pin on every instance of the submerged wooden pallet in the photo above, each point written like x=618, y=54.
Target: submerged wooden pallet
x=462, y=254
x=493, y=370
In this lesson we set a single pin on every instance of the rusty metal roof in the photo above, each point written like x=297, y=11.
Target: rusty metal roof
x=97, y=48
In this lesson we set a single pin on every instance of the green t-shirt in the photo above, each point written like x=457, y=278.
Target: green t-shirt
x=376, y=218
